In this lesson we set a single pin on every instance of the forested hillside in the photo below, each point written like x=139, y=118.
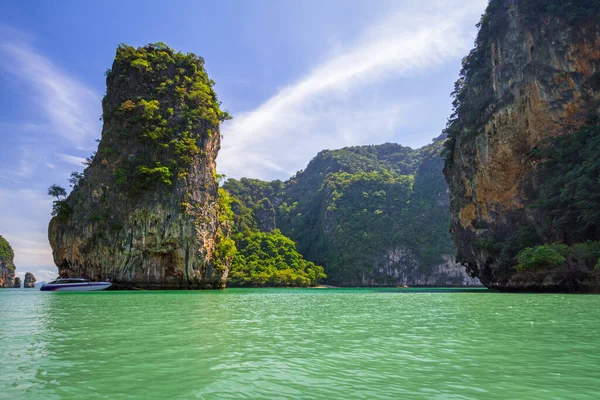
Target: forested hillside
x=370, y=215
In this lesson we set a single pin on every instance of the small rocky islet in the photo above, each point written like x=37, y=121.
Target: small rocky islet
x=7, y=268
x=525, y=117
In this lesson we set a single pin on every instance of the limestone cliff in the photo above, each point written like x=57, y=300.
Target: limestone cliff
x=532, y=76
x=370, y=215
x=29, y=281
x=7, y=265
x=17, y=282
x=145, y=211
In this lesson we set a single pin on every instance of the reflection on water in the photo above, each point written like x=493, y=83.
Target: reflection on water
x=298, y=344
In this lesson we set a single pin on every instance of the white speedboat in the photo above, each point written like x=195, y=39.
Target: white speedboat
x=74, y=285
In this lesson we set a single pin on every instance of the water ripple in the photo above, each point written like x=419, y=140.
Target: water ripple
x=298, y=344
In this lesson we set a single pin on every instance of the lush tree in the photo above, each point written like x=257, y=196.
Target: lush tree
x=76, y=178
x=270, y=259
x=60, y=208
x=57, y=191
x=542, y=257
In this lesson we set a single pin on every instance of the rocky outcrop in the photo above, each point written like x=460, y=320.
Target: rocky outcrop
x=29, y=281
x=532, y=76
x=17, y=282
x=399, y=266
x=370, y=215
x=7, y=265
x=145, y=211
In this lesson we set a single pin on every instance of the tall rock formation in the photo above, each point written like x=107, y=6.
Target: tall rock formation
x=145, y=211
x=532, y=77
x=370, y=215
x=29, y=281
x=7, y=265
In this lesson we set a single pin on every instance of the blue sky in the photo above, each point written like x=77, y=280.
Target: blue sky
x=297, y=76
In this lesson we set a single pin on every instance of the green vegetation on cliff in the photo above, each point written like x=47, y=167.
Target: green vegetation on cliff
x=568, y=201
x=145, y=211
x=573, y=11
x=169, y=111
x=569, y=186
x=353, y=207
x=270, y=259
x=7, y=254
x=260, y=254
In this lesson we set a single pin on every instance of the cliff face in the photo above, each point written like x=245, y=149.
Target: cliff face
x=7, y=265
x=29, y=281
x=145, y=211
x=370, y=215
x=531, y=77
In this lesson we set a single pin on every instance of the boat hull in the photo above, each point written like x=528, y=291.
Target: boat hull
x=75, y=287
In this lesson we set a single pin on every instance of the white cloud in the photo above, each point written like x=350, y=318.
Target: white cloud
x=73, y=160
x=341, y=102
x=70, y=106
x=25, y=226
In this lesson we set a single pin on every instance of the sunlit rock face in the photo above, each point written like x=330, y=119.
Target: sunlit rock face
x=532, y=76
x=29, y=281
x=145, y=213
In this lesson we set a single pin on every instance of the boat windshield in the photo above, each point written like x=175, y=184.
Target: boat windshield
x=69, y=280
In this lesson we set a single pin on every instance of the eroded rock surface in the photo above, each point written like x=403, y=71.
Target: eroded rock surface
x=532, y=76
x=145, y=212
x=29, y=281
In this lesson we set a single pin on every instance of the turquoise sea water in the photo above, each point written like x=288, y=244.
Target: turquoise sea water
x=298, y=344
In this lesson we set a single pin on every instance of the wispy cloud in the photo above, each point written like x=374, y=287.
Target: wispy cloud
x=71, y=107
x=342, y=101
x=24, y=223
x=61, y=119
x=73, y=160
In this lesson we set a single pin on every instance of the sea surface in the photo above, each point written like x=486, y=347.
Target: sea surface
x=299, y=344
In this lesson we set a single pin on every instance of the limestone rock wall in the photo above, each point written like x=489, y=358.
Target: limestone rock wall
x=29, y=281
x=399, y=266
x=145, y=213
x=530, y=80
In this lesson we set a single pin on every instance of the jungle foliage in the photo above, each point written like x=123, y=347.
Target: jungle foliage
x=568, y=199
x=270, y=259
x=162, y=103
x=352, y=205
x=6, y=253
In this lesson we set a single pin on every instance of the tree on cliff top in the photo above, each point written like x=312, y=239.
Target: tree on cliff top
x=60, y=208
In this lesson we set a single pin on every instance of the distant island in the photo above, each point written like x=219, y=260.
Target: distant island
x=7, y=268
